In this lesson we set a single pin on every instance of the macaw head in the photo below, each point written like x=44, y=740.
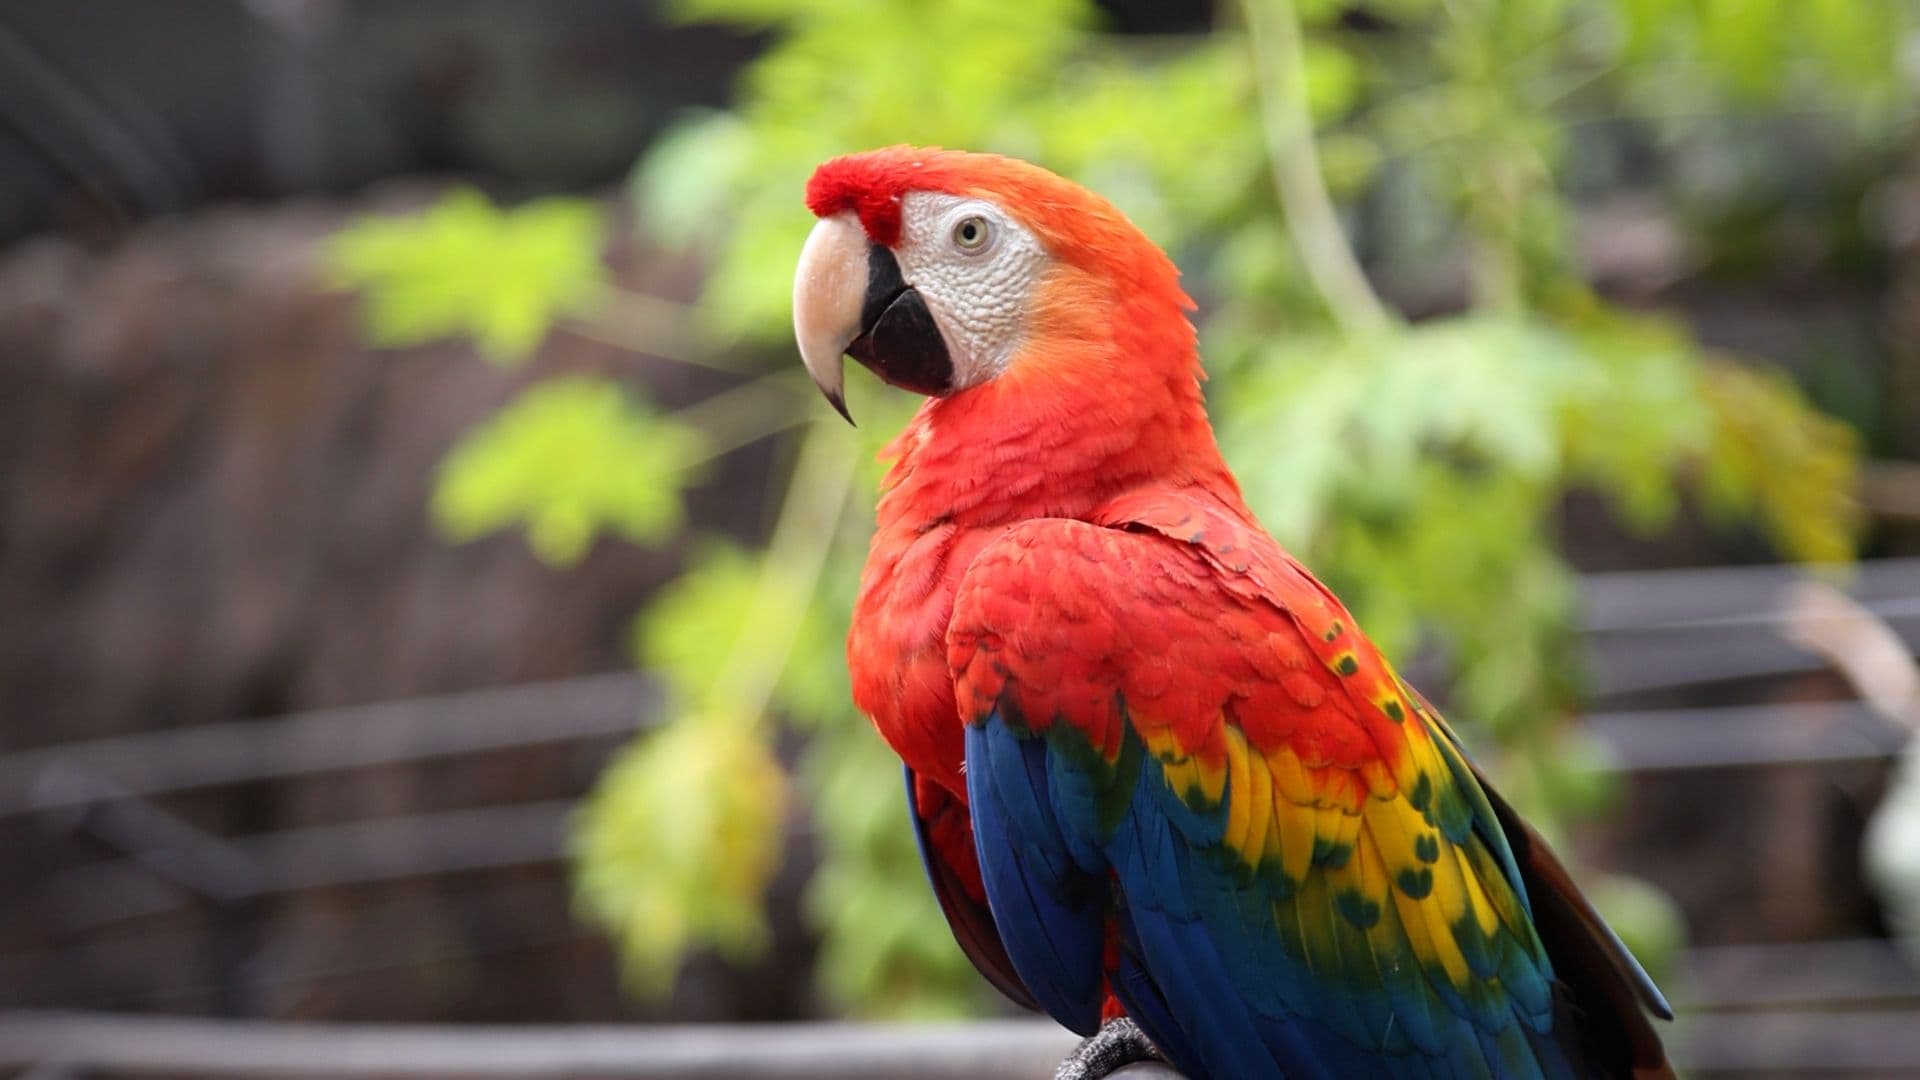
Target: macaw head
x=944, y=271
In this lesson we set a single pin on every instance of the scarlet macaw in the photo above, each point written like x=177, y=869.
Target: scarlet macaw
x=1160, y=778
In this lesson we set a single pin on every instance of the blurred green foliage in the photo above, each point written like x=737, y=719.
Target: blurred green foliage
x=1419, y=468
x=701, y=806
x=466, y=267
x=572, y=457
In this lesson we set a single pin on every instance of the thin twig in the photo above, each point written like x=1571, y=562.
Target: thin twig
x=790, y=570
x=1279, y=66
x=652, y=325
x=744, y=414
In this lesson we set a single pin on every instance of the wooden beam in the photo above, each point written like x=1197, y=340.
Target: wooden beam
x=521, y=834
x=1799, y=1043
x=132, y=1046
x=1782, y=1043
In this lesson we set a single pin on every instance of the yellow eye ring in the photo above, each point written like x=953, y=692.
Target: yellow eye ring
x=972, y=234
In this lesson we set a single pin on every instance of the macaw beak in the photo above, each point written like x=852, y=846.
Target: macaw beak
x=849, y=299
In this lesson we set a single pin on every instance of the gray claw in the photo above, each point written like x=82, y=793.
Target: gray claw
x=1116, y=1045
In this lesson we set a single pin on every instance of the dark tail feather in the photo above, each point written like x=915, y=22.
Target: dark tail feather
x=1607, y=996
x=945, y=832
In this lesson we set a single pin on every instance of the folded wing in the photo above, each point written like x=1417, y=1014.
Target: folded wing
x=1193, y=779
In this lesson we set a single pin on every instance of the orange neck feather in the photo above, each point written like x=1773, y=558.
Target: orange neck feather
x=1105, y=398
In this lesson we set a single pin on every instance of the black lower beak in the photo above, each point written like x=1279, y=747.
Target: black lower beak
x=898, y=340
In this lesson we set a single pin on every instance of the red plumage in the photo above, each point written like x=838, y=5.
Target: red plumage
x=1062, y=544
x=1049, y=438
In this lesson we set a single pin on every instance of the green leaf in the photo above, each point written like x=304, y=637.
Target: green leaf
x=678, y=842
x=1333, y=79
x=1327, y=419
x=1773, y=455
x=1634, y=418
x=465, y=267
x=570, y=458
x=686, y=634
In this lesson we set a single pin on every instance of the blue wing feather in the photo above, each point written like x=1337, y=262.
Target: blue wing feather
x=1228, y=1037
x=967, y=914
x=1051, y=914
x=1227, y=980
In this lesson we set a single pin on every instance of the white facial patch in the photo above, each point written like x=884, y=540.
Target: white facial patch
x=975, y=268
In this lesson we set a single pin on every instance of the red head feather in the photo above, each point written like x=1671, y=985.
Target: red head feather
x=1077, y=226
x=871, y=185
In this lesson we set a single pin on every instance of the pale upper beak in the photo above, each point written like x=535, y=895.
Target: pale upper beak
x=829, y=289
x=850, y=299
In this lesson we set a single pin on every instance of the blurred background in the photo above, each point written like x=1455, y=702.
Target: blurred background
x=424, y=566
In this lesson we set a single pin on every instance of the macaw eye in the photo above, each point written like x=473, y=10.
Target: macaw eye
x=972, y=234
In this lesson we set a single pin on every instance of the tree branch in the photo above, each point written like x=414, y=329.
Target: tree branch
x=1279, y=68
x=650, y=325
x=790, y=570
x=746, y=413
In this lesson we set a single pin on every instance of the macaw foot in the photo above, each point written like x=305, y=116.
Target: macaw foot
x=1117, y=1044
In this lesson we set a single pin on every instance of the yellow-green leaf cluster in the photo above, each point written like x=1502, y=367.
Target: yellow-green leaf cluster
x=678, y=842
x=570, y=458
x=1839, y=51
x=466, y=267
x=1421, y=470
x=680, y=636
x=1774, y=456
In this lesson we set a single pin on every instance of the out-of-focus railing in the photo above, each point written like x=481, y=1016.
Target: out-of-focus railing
x=127, y=1046
x=102, y=778
x=1646, y=630
x=328, y=740
x=1662, y=629
x=1782, y=1008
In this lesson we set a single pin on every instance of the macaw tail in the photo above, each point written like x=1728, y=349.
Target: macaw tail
x=1607, y=995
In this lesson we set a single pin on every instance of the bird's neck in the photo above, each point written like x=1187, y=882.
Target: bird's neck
x=1005, y=452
